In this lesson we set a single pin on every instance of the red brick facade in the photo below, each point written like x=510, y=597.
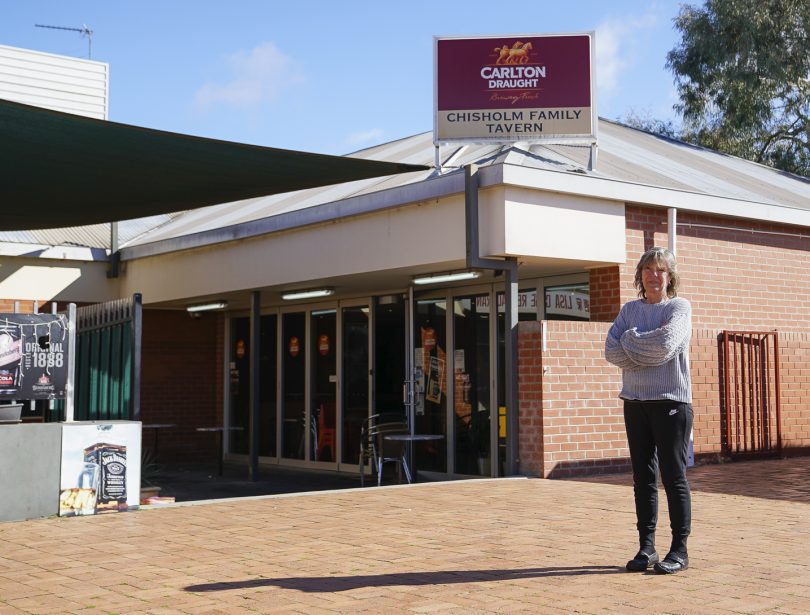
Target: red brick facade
x=182, y=380
x=738, y=275
x=571, y=418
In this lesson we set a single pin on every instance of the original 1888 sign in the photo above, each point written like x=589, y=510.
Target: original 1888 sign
x=33, y=356
x=514, y=88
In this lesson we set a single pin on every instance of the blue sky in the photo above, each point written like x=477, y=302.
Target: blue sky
x=326, y=76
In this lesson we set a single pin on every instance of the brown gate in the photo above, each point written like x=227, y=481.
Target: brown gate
x=752, y=421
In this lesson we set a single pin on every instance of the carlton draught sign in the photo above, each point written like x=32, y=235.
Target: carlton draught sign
x=33, y=356
x=514, y=88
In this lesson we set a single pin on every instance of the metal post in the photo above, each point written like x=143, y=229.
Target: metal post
x=410, y=365
x=592, y=157
x=137, y=325
x=255, y=391
x=672, y=228
x=511, y=368
x=115, y=257
x=70, y=386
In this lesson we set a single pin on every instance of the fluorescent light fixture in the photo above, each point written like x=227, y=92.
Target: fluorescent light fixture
x=447, y=277
x=205, y=307
x=307, y=294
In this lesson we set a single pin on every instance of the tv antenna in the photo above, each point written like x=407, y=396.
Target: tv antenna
x=84, y=31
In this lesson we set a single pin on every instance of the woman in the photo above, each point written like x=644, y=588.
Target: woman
x=650, y=342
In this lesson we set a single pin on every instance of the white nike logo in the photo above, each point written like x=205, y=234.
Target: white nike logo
x=673, y=411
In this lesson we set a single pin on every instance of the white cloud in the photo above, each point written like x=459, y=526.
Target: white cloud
x=254, y=77
x=614, y=48
x=374, y=135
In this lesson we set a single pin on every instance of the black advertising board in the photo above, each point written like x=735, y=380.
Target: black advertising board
x=33, y=356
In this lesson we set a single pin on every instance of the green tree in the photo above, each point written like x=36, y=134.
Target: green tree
x=742, y=69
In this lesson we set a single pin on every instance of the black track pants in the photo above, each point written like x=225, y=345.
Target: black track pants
x=658, y=437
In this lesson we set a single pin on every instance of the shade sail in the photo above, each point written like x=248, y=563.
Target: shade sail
x=58, y=169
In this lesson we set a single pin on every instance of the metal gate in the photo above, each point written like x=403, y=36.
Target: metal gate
x=752, y=424
x=108, y=363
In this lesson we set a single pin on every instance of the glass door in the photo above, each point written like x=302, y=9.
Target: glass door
x=239, y=388
x=355, y=374
x=389, y=355
x=239, y=369
x=471, y=388
x=268, y=360
x=323, y=411
x=527, y=310
x=430, y=388
x=293, y=385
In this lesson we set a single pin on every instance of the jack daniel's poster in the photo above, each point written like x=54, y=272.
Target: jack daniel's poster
x=101, y=470
x=33, y=356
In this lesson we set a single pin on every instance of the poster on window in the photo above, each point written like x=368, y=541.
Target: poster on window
x=100, y=469
x=435, y=383
x=33, y=356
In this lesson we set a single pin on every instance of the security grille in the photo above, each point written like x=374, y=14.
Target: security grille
x=752, y=424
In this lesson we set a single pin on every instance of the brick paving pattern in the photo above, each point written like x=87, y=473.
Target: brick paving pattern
x=488, y=546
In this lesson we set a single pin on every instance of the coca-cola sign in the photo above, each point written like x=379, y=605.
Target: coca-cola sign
x=33, y=356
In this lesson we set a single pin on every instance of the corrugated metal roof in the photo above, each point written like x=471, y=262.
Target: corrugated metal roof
x=93, y=236
x=625, y=155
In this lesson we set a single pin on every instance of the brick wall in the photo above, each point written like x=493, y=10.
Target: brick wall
x=738, y=274
x=604, y=285
x=182, y=380
x=26, y=306
x=571, y=419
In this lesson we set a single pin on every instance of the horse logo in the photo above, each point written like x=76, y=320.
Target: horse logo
x=518, y=53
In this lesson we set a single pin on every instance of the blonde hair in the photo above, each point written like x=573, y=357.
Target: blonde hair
x=661, y=256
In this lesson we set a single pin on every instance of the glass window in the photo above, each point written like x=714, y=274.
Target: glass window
x=430, y=360
x=568, y=302
x=239, y=384
x=355, y=379
x=527, y=310
x=389, y=355
x=323, y=421
x=471, y=385
x=293, y=378
x=268, y=385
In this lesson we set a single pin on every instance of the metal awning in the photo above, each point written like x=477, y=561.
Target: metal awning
x=58, y=169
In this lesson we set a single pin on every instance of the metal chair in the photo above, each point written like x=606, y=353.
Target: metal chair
x=372, y=443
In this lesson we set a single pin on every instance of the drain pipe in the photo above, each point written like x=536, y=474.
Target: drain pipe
x=509, y=266
x=672, y=228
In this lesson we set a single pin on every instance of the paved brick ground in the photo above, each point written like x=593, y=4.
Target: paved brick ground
x=490, y=546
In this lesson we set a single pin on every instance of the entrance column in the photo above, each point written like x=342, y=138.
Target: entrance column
x=510, y=267
x=255, y=406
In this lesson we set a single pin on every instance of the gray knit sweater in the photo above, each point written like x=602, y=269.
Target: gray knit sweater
x=650, y=342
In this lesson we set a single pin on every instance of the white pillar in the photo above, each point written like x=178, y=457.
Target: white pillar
x=672, y=228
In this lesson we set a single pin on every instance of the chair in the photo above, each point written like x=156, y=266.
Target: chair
x=372, y=443
x=326, y=431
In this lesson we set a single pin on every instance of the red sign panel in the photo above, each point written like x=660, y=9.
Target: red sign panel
x=294, y=346
x=514, y=88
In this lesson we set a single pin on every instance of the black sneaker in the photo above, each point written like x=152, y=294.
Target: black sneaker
x=672, y=563
x=642, y=561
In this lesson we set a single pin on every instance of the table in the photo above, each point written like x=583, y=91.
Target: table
x=157, y=427
x=407, y=439
x=220, y=430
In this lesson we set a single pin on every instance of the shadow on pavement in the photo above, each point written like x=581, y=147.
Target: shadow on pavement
x=441, y=577
x=773, y=479
x=200, y=481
